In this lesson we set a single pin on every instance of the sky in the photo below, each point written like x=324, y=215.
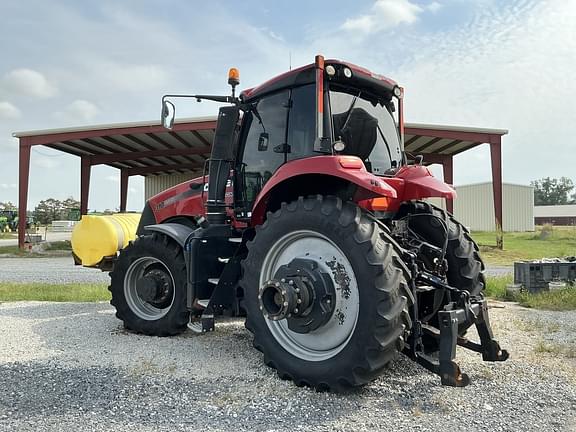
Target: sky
x=507, y=64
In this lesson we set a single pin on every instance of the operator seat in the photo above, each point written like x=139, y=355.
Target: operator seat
x=359, y=133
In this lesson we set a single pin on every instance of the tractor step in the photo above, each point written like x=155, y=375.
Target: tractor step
x=235, y=239
x=223, y=260
x=203, y=303
x=214, y=281
x=203, y=324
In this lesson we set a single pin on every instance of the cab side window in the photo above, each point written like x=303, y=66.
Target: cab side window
x=302, y=122
x=265, y=148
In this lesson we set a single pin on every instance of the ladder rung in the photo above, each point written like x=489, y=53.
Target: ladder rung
x=195, y=326
x=203, y=303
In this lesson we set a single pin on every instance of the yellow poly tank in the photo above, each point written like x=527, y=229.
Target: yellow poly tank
x=96, y=237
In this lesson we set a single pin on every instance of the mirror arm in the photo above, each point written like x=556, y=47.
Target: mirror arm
x=214, y=98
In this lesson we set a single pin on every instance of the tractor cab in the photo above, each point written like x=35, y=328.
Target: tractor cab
x=282, y=118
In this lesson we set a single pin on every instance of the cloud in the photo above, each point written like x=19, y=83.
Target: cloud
x=44, y=161
x=28, y=82
x=384, y=15
x=497, y=71
x=132, y=77
x=9, y=111
x=9, y=144
x=113, y=178
x=434, y=6
x=8, y=185
x=79, y=110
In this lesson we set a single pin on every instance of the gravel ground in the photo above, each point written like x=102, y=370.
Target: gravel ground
x=62, y=270
x=48, y=270
x=72, y=367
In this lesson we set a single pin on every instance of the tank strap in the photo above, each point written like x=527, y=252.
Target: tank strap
x=119, y=232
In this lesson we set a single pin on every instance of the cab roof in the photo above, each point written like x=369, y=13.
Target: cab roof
x=361, y=78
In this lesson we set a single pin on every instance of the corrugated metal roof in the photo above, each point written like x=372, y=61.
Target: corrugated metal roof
x=555, y=211
x=146, y=148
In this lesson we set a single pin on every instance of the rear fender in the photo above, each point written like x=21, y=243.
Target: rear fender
x=415, y=182
x=347, y=169
x=175, y=231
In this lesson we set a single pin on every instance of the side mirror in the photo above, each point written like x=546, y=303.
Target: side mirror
x=168, y=114
x=263, y=141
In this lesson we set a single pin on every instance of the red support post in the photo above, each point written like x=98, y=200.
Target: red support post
x=23, y=182
x=123, y=190
x=86, y=165
x=496, y=157
x=448, y=171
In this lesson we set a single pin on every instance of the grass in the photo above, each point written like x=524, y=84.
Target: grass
x=63, y=245
x=544, y=242
x=560, y=300
x=56, y=293
x=566, y=349
x=12, y=250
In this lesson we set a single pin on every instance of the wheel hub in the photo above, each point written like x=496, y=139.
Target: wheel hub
x=300, y=293
x=154, y=287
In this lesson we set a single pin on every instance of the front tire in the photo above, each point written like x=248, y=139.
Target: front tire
x=148, y=286
x=370, y=319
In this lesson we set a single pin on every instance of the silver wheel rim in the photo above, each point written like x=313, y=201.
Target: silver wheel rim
x=140, y=307
x=328, y=340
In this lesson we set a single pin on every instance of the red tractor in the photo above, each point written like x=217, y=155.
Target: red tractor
x=309, y=221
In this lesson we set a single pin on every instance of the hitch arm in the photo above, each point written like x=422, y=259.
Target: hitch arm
x=448, y=370
x=488, y=346
x=464, y=311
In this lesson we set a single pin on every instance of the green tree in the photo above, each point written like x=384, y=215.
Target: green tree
x=51, y=209
x=552, y=191
x=48, y=210
x=72, y=209
x=7, y=206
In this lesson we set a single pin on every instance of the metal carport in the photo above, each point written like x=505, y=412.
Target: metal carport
x=146, y=148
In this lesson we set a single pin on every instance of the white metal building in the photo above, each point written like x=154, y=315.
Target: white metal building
x=555, y=214
x=156, y=184
x=475, y=203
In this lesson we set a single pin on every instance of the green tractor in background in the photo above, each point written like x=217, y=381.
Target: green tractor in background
x=8, y=221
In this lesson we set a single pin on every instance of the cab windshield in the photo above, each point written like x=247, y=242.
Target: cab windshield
x=367, y=128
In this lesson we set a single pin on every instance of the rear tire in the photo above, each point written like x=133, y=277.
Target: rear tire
x=377, y=274
x=465, y=266
x=160, y=259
